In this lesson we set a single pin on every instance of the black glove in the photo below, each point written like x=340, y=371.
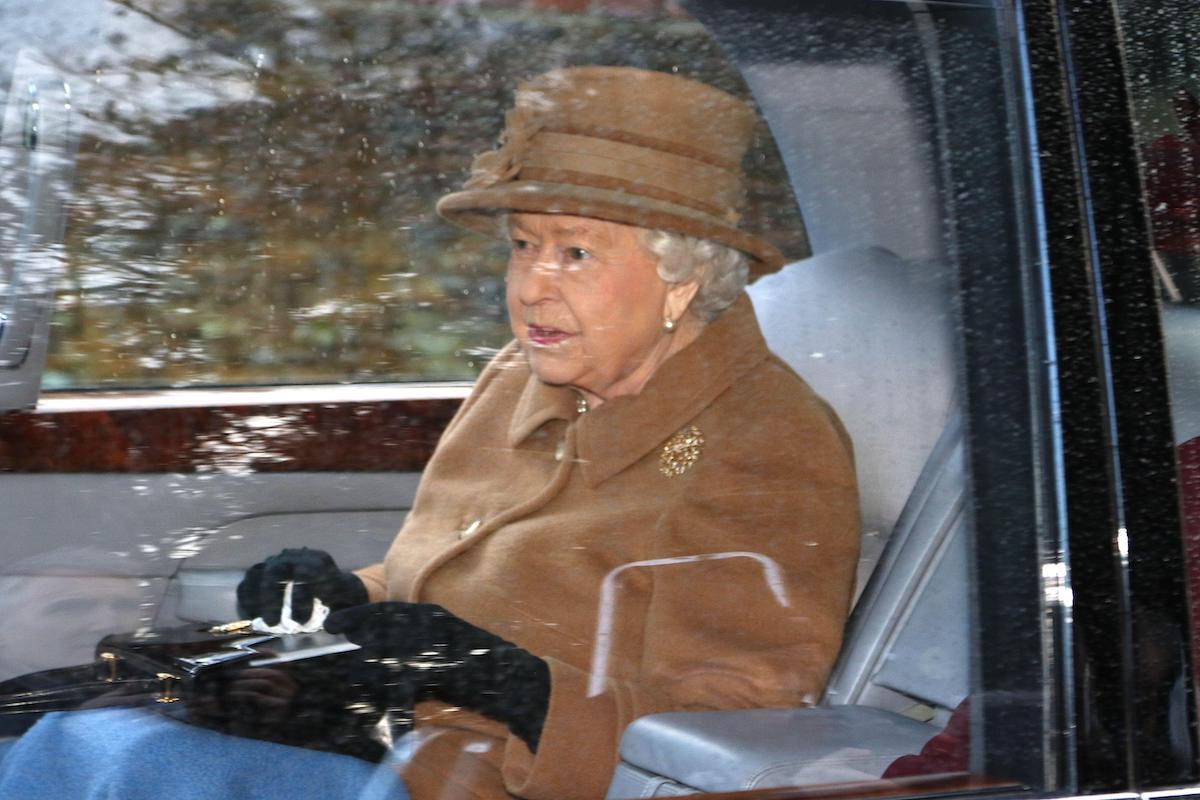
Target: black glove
x=452, y=660
x=314, y=574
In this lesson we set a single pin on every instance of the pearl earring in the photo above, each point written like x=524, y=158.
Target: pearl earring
x=668, y=325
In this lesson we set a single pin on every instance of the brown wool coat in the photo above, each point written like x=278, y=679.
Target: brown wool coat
x=725, y=586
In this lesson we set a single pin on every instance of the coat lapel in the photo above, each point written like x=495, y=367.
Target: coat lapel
x=623, y=430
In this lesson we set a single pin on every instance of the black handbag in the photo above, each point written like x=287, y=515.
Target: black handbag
x=306, y=690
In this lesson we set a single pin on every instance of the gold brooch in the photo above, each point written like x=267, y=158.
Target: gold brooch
x=681, y=451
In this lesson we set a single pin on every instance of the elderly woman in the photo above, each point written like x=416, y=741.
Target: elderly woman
x=639, y=508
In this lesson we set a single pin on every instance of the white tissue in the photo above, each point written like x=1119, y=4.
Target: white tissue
x=286, y=623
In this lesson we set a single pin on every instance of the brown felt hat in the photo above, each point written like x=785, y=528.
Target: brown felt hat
x=626, y=145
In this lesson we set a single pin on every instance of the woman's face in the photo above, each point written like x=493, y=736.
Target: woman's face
x=587, y=304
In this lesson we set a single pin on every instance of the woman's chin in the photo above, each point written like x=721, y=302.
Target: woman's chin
x=551, y=365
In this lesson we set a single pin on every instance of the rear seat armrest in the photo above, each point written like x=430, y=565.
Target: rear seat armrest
x=667, y=755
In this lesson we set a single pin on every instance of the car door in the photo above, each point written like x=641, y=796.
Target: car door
x=259, y=331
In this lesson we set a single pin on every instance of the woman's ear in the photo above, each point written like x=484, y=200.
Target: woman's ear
x=679, y=297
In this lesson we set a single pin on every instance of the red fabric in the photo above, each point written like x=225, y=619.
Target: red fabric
x=1188, y=457
x=1173, y=190
x=949, y=751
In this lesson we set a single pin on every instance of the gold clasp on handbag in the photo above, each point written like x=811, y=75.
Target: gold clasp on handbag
x=167, y=688
x=113, y=666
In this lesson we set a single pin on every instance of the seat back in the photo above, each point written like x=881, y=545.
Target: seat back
x=908, y=640
x=874, y=335
x=1181, y=337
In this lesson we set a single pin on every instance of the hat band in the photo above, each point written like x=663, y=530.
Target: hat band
x=654, y=173
x=616, y=184
x=647, y=142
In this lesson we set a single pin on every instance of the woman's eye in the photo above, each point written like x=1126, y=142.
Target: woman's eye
x=520, y=244
x=577, y=254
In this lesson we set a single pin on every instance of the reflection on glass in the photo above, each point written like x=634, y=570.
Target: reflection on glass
x=255, y=185
x=608, y=588
x=57, y=606
x=1164, y=65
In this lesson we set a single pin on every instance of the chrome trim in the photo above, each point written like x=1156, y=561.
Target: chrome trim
x=308, y=394
x=1155, y=794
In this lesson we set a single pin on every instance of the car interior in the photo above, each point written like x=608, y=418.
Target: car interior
x=871, y=122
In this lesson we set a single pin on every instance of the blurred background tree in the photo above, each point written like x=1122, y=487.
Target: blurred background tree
x=255, y=182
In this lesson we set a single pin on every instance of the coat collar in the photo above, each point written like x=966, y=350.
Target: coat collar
x=538, y=404
x=624, y=429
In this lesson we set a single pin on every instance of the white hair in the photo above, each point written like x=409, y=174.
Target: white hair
x=720, y=271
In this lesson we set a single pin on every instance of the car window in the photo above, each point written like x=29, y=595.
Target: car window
x=252, y=204
x=1163, y=56
x=255, y=187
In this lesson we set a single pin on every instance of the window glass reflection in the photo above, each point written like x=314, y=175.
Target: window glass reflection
x=255, y=184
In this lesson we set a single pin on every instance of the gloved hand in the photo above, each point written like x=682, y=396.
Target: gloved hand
x=314, y=573
x=448, y=658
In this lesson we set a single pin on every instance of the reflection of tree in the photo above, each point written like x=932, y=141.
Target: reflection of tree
x=254, y=201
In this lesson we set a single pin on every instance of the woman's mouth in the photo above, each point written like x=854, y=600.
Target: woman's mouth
x=543, y=336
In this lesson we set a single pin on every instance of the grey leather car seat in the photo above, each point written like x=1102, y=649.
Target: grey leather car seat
x=874, y=335
x=1181, y=337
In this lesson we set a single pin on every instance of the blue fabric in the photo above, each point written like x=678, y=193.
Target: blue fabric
x=131, y=754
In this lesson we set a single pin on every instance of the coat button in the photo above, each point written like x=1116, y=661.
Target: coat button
x=470, y=529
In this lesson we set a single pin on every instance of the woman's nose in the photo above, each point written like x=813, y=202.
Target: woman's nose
x=540, y=281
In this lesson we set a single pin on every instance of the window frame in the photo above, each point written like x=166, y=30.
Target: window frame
x=1123, y=520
